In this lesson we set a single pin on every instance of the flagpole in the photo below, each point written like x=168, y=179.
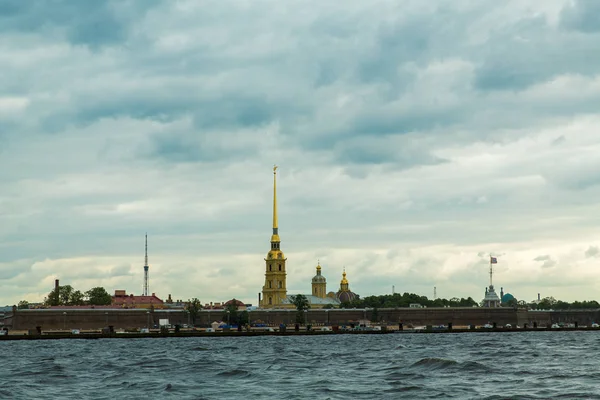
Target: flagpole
x=490, y=270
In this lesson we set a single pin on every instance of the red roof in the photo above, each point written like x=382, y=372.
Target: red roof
x=133, y=300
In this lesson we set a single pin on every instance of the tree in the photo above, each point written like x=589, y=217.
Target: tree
x=243, y=318
x=23, y=305
x=76, y=298
x=65, y=296
x=98, y=296
x=231, y=312
x=193, y=307
x=302, y=304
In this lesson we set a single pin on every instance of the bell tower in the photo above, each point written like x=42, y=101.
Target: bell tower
x=274, y=290
x=319, y=284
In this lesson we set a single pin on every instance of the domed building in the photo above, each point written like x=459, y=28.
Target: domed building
x=319, y=284
x=506, y=298
x=319, y=297
x=345, y=295
x=491, y=299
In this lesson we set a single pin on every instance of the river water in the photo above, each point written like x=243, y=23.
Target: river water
x=524, y=365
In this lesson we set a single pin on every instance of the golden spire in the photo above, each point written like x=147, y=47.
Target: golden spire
x=274, y=199
x=344, y=280
x=275, y=237
x=318, y=267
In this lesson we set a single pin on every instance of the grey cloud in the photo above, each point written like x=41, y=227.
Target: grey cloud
x=582, y=15
x=548, y=262
x=120, y=270
x=559, y=140
x=592, y=251
x=94, y=24
x=13, y=269
x=167, y=124
x=402, y=152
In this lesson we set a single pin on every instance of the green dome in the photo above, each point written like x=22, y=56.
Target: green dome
x=507, y=297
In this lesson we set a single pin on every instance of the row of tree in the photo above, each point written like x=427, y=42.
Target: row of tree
x=405, y=300
x=550, y=303
x=231, y=313
x=67, y=296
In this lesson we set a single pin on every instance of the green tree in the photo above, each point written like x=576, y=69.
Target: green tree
x=547, y=303
x=193, y=306
x=65, y=296
x=76, y=299
x=98, y=296
x=243, y=318
x=231, y=312
x=302, y=304
x=23, y=305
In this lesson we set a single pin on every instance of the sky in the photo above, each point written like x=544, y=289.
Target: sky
x=413, y=139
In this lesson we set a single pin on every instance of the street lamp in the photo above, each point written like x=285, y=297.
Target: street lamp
x=148, y=320
x=106, y=316
x=327, y=314
x=305, y=317
x=228, y=318
x=64, y=320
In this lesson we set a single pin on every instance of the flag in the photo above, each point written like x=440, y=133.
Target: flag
x=493, y=260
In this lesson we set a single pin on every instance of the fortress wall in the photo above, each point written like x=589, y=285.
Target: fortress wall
x=50, y=319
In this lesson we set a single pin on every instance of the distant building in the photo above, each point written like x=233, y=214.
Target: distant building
x=240, y=304
x=121, y=299
x=490, y=299
x=506, y=298
x=214, y=306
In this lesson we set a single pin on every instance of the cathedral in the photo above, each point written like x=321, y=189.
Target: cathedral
x=274, y=291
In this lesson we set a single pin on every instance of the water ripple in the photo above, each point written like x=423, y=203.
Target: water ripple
x=527, y=365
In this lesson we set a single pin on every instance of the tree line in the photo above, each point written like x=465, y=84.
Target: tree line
x=398, y=300
x=67, y=296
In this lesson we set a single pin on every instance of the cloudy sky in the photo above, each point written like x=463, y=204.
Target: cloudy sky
x=414, y=138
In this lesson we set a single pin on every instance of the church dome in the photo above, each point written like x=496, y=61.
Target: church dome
x=507, y=297
x=346, y=297
x=318, y=278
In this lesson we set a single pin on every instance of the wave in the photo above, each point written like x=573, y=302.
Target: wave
x=434, y=363
x=235, y=373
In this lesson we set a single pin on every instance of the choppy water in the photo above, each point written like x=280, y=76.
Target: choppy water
x=532, y=365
